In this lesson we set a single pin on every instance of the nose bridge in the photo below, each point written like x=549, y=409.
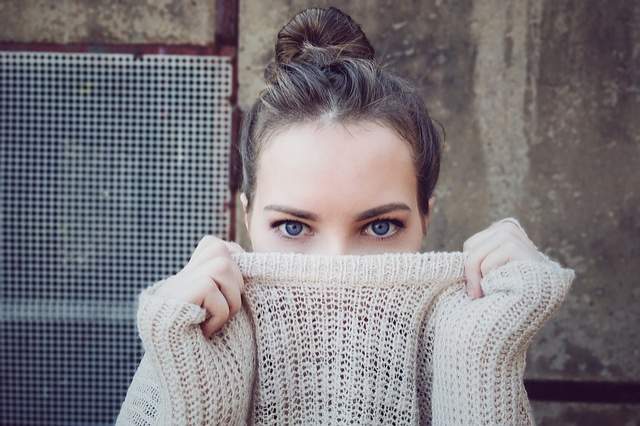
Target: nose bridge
x=335, y=244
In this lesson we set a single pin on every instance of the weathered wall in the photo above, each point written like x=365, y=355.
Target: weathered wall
x=108, y=21
x=540, y=103
x=540, y=100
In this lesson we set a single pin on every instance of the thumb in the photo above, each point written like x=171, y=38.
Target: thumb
x=234, y=247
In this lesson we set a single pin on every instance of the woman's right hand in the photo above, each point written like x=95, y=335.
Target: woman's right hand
x=212, y=280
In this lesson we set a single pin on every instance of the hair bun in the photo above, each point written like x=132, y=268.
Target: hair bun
x=322, y=36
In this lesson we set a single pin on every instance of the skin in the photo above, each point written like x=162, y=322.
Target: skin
x=315, y=182
x=337, y=173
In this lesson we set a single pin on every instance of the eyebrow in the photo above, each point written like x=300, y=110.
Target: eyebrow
x=367, y=214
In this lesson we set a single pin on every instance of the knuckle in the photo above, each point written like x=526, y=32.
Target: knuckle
x=219, y=312
x=222, y=264
x=233, y=246
x=213, y=243
x=218, y=249
x=223, y=312
x=502, y=229
x=220, y=243
x=511, y=245
x=512, y=229
x=234, y=310
x=238, y=306
x=206, y=239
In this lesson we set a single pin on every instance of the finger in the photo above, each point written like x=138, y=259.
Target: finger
x=472, y=266
x=204, y=243
x=221, y=268
x=216, y=305
x=518, y=228
x=500, y=227
x=498, y=257
x=507, y=252
x=234, y=247
x=209, y=247
x=477, y=238
x=228, y=277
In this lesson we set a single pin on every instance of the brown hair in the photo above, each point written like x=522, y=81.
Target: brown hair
x=324, y=64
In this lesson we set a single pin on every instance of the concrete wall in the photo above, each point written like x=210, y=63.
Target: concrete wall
x=540, y=100
x=105, y=21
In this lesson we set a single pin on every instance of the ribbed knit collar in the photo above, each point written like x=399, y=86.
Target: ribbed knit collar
x=368, y=270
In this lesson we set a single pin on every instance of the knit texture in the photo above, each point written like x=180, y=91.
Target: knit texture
x=387, y=338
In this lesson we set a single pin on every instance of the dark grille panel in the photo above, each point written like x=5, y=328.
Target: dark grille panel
x=112, y=168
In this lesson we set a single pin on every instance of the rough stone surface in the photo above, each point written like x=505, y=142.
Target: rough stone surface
x=540, y=101
x=107, y=21
x=581, y=414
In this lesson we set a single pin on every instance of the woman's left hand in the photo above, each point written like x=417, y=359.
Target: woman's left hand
x=502, y=242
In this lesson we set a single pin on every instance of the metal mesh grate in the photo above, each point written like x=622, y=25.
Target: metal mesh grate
x=112, y=168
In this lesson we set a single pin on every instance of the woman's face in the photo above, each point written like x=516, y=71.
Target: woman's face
x=330, y=188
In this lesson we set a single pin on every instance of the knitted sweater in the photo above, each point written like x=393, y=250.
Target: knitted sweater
x=387, y=338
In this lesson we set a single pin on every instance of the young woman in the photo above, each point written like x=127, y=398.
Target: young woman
x=339, y=156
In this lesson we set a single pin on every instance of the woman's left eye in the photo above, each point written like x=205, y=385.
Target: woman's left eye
x=380, y=228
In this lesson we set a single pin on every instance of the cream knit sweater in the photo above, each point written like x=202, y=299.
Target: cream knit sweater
x=353, y=339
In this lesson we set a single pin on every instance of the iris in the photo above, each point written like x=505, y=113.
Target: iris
x=380, y=228
x=293, y=228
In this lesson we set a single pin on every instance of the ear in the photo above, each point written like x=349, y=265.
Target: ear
x=245, y=202
x=426, y=219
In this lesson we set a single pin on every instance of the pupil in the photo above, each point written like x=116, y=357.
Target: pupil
x=383, y=227
x=293, y=228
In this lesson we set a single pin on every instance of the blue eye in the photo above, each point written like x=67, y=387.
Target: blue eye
x=293, y=228
x=380, y=228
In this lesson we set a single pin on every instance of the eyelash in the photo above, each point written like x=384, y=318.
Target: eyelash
x=275, y=225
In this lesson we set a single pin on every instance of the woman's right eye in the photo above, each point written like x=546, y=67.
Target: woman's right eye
x=290, y=229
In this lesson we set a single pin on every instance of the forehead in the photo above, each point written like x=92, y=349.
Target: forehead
x=337, y=166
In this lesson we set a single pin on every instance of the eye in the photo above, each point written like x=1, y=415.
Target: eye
x=290, y=229
x=381, y=228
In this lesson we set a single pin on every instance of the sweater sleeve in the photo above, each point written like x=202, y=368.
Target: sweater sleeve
x=185, y=378
x=479, y=347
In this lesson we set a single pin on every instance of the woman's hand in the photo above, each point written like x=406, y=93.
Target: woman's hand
x=212, y=280
x=502, y=242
